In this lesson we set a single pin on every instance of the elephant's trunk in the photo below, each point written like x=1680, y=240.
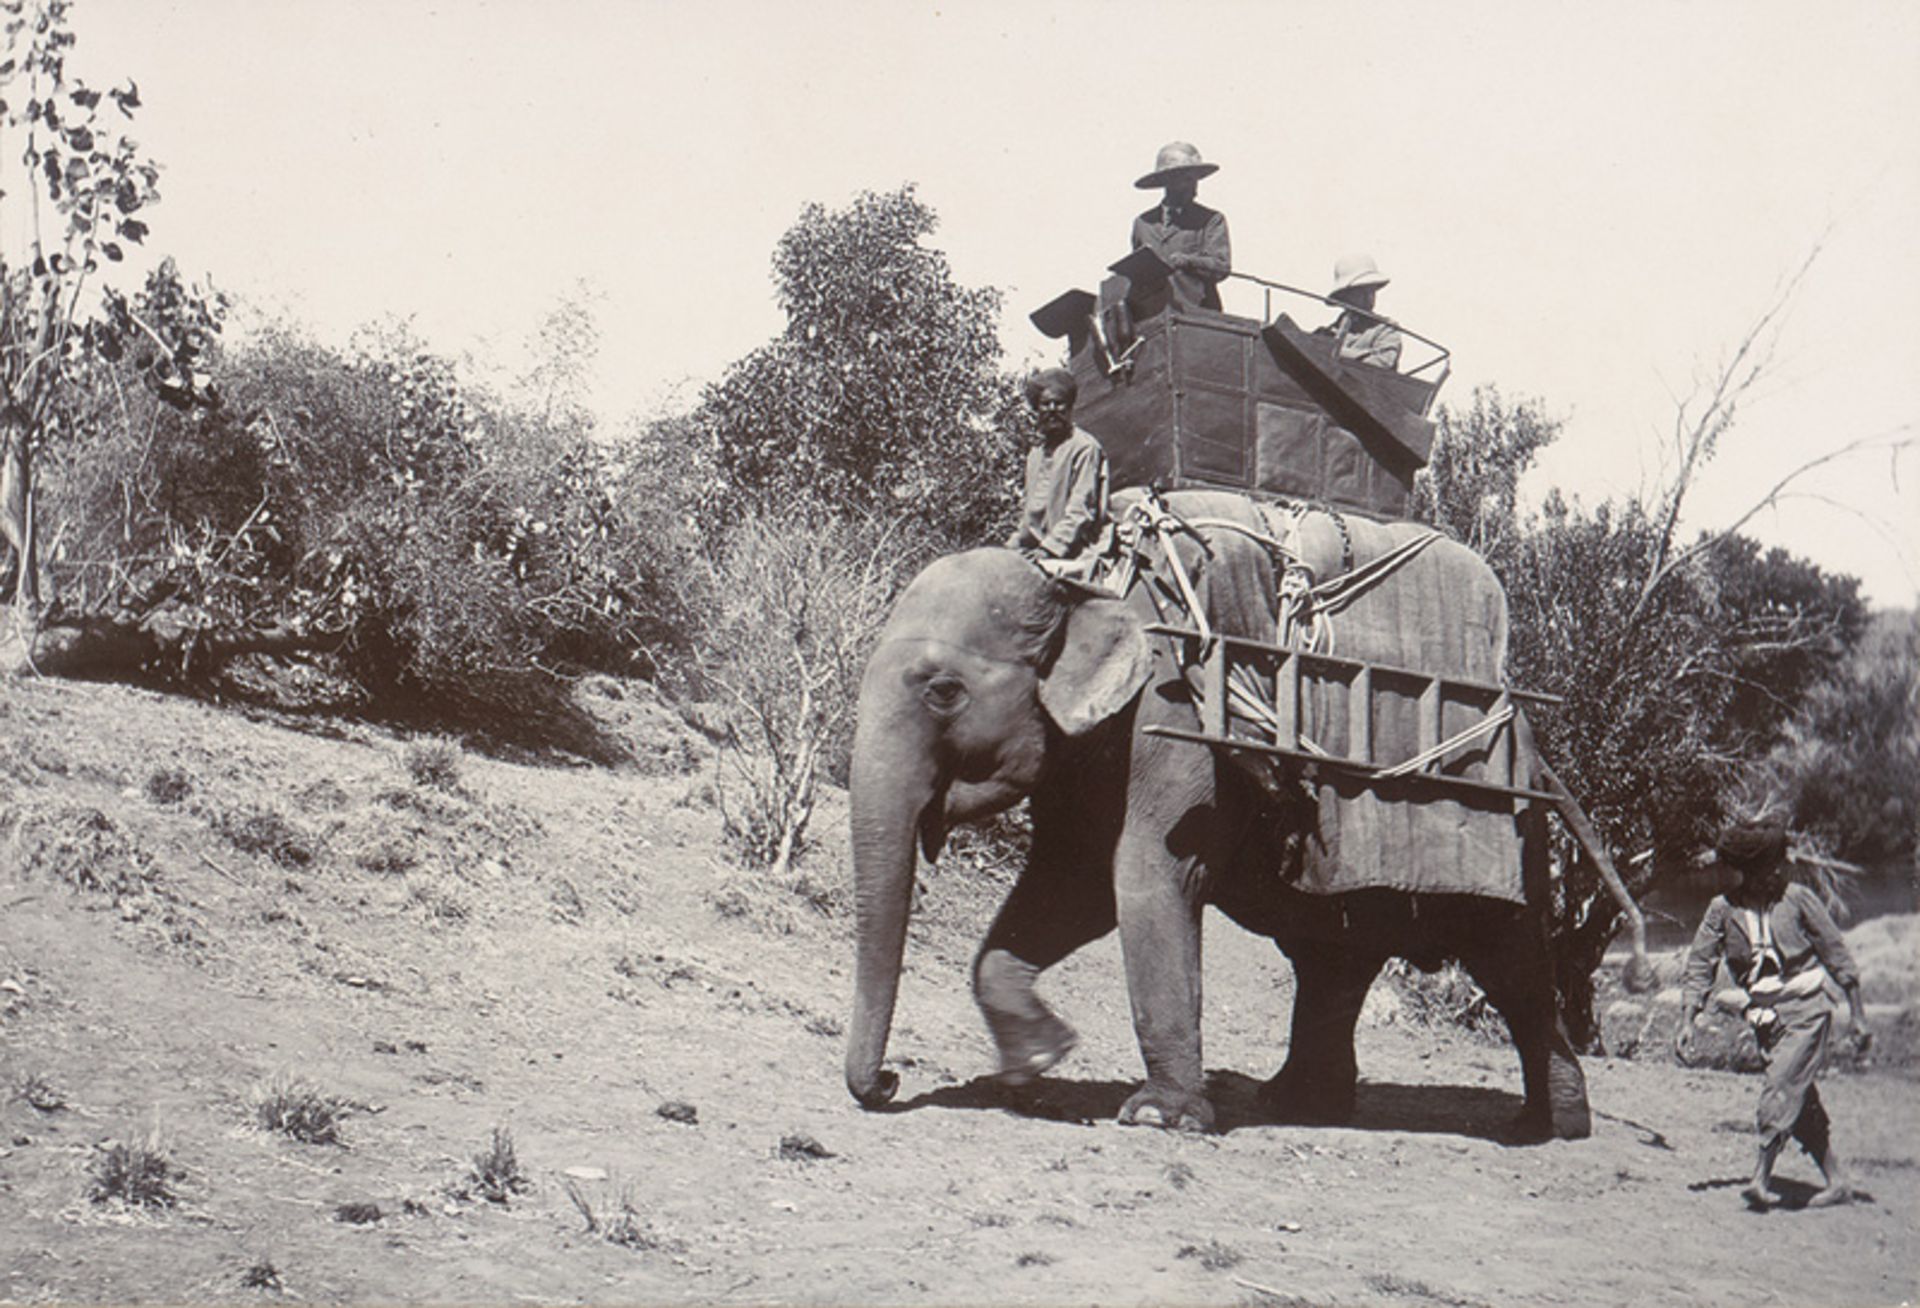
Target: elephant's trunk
x=893, y=781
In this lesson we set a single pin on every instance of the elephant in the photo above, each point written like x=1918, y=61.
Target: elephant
x=993, y=682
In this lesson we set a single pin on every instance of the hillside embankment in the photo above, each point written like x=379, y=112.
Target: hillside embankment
x=386, y=1020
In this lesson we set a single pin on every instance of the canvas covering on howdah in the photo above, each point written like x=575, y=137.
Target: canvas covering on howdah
x=1421, y=644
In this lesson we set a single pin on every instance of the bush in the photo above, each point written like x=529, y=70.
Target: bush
x=140, y=1174
x=1446, y=999
x=435, y=763
x=365, y=509
x=299, y=1111
x=798, y=598
x=496, y=1175
x=265, y=833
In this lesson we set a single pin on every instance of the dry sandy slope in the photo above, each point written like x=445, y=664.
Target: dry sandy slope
x=556, y=957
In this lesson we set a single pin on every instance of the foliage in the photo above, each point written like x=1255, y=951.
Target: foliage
x=1676, y=680
x=883, y=393
x=797, y=596
x=495, y=1175
x=86, y=186
x=366, y=507
x=1848, y=765
x=1666, y=700
x=1471, y=484
x=293, y=1109
x=140, y=1174
x=434, y=763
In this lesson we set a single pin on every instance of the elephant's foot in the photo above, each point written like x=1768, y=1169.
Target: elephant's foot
x=1570, y=1117
x=1029, y=1046
x=1314, y=1099
x=1030, y=1038
x=1537, y=1124
x=1167, y=1106
x=1526, y=1127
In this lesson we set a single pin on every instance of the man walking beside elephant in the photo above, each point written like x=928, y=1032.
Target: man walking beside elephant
x=1776, y=937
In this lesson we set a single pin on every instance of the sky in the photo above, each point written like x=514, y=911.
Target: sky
x=1591, y=205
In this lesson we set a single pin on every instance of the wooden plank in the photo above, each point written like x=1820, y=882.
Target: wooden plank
x=1360, y=715
x=1423, y=780
x=1286, y=703
x=1334, y=663
x=1213, y=690
x=1432, y=707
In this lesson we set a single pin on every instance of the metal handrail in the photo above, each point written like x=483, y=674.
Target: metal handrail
x=1268, y=287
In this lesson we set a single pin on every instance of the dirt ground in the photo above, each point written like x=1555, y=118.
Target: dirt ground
x=199, y=910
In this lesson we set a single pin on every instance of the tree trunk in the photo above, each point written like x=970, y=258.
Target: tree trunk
x=20, y=584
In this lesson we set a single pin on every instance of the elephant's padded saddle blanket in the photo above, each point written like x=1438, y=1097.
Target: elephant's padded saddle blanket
x=1439, y=610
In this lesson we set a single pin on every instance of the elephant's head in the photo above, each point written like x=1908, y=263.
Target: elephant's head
x=985, y=667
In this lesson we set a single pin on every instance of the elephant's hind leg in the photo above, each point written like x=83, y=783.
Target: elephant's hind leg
x=1318, y=1082
x=1518, y=979
x=1063, y=900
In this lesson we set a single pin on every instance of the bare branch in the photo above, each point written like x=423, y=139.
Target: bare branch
x=1885, y=440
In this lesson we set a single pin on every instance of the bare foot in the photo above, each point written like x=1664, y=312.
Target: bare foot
x=1831, y=1197
x=1758, y=1197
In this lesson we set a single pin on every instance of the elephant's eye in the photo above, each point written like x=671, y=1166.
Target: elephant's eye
x=944, y=695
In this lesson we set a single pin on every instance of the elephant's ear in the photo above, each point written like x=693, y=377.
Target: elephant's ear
x=1103, y=661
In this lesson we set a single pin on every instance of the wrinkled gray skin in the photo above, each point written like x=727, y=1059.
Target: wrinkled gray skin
x=992, y=682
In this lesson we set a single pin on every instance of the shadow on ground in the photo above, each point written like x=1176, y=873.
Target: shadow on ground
x=1471, y=1111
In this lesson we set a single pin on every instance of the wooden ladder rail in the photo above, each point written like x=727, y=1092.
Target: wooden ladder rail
x=1216, y=657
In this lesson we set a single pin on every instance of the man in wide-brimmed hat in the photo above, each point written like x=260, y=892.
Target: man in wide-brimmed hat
x=1776, y=938
x=1189, y=236
x=1362, y=335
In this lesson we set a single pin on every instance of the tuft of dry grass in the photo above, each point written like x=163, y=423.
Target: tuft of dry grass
x=139, y=1174
x=496, y=1175
x=168, y=786
x=42, y=1095
x=439, y=904
x=298, y=1111
x=84, y=847
x=610, y=1213
x=1212, y=1255
x=265, y=833
x=389, y=857
x=435, y=763
x=262, y=1275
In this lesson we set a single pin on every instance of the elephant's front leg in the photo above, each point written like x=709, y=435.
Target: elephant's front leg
x=1063, y=900
x=1159, y=913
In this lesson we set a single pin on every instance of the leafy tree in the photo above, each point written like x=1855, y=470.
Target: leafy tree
x=883, y=394
x=1676, y=680
x=85, y=186
x=1848, y=767
x=1471, y=484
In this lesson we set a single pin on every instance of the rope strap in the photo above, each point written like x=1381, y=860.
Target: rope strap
x=1485, y=727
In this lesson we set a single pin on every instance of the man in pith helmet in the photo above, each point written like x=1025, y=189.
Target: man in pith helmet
x=1361, y=335
x=1189, y=236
